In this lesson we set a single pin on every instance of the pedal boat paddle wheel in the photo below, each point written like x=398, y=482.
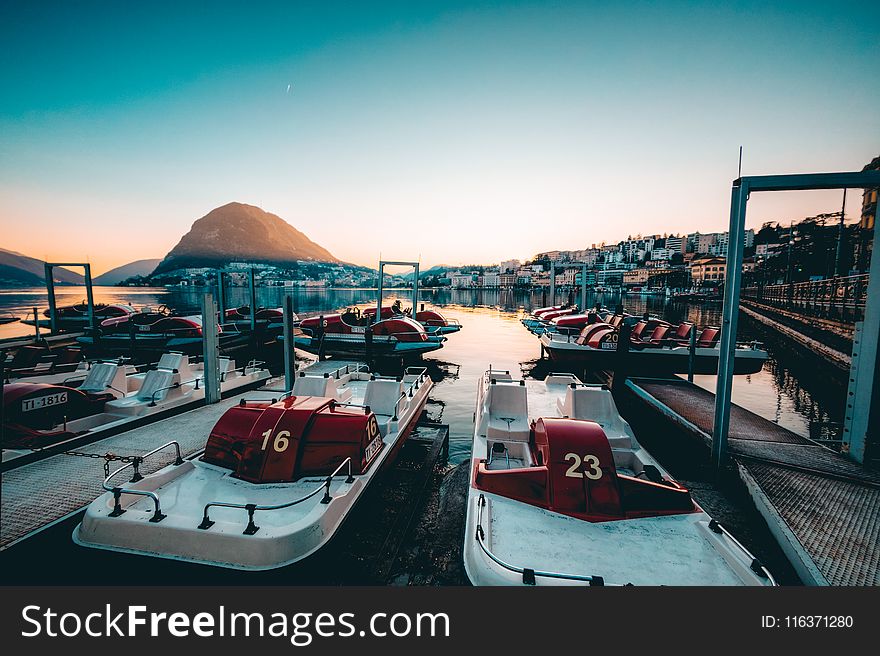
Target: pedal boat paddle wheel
x=353, y=334
x=561, y=493
x=277, y=478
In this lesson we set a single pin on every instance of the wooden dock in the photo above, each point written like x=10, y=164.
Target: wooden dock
x=822, y=508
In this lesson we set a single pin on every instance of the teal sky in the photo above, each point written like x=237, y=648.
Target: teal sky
x=458, y=132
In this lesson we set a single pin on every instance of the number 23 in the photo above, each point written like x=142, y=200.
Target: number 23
x=594, y=473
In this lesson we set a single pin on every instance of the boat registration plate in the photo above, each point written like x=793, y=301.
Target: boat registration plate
x=358, y=330
x=44, y=401
x=144, y=329
x=609, y=346
x=373, y=448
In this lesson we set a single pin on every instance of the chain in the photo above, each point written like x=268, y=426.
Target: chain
x=107, y=457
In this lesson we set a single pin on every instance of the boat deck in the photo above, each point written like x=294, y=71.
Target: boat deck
x=823, y=508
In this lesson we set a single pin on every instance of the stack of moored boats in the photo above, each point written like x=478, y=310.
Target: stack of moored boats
x=592, y=340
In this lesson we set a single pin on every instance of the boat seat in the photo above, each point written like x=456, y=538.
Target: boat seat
x=596, y=404
x=227, y=365
x=508, y=411
x=382, y=396
x=180, y=363
x=320, y=386
x=99, y=378
x=155, y=381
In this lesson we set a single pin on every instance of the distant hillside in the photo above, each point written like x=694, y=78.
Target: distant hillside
x=120, y=273
x=241, y=233
x=21, y=271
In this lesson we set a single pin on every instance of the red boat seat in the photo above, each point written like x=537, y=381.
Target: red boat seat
x=683, y=331
x=659, y=333
x=638, y=329
x=708, y=337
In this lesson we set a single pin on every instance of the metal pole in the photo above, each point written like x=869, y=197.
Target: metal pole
x=552, y=283
x=221, y=300
x=692, y=353
x=415, y=293
x=50, y=289
x=729, y=314
x=379, y=301
x=583, y=288
x=289, y=345
x=861, y=433
x=36, y=325
x=2, y=405
x=838, y=258
x=90, y=295
x=211, y=349
x=253, y=303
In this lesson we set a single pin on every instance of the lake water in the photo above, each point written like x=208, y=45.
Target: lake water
x=792, y=389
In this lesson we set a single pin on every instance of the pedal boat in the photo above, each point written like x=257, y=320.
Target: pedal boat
x=655, y=347
x=354, y=335
x=111, y=393
x=432, y=321
x=561, y=493
x=76, y=317
x=277, y=478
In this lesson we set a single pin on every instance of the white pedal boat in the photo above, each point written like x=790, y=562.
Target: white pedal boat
x=561, y=493
x=277, y=478
x=37, y=414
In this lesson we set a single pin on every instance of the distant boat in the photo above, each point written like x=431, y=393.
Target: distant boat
x=8, y=318
x=76, y=317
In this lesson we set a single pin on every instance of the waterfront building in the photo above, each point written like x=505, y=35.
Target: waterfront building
x=508, y=266
x=708, y=270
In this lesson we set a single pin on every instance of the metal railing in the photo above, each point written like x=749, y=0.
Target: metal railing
x=529, y=575
x=842, y=298
x=137, y=476
x=755, y=565
x=152, y=402
x=251, y=508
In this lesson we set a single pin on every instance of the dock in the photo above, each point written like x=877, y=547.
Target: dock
x=39, y=494
x=822, y=508
x=43, y=500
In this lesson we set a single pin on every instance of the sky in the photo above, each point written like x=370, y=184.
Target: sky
x=452, y=132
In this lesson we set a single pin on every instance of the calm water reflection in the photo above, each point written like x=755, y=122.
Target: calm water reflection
x=791, y=390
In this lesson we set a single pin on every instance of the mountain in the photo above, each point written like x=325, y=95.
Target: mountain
x=241, y=233
x=120, y=273
x=20, y=270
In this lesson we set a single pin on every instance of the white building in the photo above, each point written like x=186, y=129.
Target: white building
x=491, y=280
x=461, y=280
x=662, y=254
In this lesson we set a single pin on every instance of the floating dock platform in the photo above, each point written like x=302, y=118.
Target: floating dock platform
x=43, y=500
x=822, y=508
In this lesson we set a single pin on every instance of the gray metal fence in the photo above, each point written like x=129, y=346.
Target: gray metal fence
x=841, y=298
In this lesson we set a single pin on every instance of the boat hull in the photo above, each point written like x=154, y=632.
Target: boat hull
x=353, y=347
x=649, y=361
